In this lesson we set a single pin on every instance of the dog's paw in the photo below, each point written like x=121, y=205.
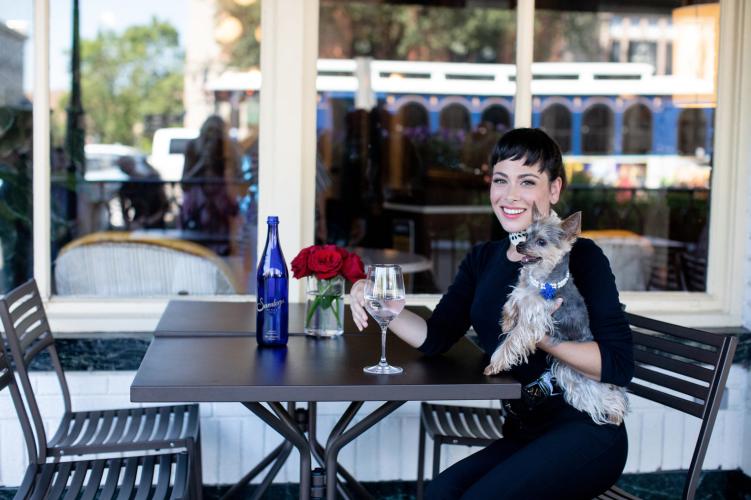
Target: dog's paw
x=490, y=370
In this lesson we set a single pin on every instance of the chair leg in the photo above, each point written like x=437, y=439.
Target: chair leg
x=197, y=472
x=436, y=457
x=421, y=463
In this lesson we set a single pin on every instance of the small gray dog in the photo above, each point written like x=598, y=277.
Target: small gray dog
x=528, y=316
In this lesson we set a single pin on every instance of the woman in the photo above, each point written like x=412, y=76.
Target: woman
x=209, y=195
x=549, y=449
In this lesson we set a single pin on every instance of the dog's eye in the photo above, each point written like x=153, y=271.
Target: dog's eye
x=542, y=242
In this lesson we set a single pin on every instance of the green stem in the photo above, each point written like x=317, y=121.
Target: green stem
x=317, y=303
x=336, y=311
x=313, y=309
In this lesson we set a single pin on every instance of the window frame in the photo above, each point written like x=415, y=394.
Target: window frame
x=287, y=140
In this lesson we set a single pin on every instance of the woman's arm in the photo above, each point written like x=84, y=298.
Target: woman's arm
x=584, y=357
x=408, y=326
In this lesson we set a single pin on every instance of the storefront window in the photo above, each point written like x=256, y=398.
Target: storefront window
x=16, y=153
x=640, y=153
x=407, y=170
x=155, y=154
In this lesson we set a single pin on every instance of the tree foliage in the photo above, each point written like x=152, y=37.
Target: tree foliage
x=427, y=33
x=245, y=52
x=128, y=76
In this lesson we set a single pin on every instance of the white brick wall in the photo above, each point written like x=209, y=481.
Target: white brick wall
x=659, y=438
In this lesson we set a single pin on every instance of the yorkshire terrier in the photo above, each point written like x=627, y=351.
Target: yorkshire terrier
x=528, y=316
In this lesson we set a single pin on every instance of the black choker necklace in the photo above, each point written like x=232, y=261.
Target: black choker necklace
x=518, y=237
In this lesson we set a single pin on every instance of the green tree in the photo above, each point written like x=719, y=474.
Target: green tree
x=568, y=36
x=128, y=76
x=410, y=32
x=245, y=52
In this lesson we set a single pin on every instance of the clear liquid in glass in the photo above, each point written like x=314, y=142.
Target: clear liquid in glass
x=384, y=310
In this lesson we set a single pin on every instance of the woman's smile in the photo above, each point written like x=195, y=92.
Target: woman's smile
x=512, y=212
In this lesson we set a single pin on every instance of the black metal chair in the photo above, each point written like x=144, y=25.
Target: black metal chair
x=682, y=368
x=28, y=334
x=152, y=476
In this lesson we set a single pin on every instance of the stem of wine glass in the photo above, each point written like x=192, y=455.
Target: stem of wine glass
x=383, y=362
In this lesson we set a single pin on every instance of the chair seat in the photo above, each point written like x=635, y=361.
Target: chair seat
x=615, y=493
x=147, y=428
x=462, y=424
x=152, y=476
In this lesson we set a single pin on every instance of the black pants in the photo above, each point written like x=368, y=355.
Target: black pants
x=562, y=456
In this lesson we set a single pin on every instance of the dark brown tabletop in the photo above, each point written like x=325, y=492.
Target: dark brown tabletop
x=233, y=368
x=203, y=317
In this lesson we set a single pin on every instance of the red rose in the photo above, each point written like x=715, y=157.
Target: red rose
x=299, y=264
x=325, y=261
x=353, y=268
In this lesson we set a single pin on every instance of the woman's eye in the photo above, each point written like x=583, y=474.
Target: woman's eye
x=528, y=183
x=499, y=181
x=542, y=243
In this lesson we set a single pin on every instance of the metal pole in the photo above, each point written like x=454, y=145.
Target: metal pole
x=74, y=130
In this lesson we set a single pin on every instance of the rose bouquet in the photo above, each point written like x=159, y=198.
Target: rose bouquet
x=326, y=267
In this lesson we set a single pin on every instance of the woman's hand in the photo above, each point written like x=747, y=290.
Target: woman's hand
x=357, y=304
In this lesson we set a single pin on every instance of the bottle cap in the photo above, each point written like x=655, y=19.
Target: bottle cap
x=272, y=219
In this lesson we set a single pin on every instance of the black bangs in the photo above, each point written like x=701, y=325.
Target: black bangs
x=533, y=146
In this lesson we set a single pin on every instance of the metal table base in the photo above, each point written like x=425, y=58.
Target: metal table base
x=283, y=421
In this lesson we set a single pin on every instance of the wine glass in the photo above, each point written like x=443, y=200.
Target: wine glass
x=384, y=300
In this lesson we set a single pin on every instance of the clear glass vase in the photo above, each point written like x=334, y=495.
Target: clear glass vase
x=324, y=307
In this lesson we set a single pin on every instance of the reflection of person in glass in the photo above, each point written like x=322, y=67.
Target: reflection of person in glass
x=209, y=176
x=549, y=449
x=144, y=204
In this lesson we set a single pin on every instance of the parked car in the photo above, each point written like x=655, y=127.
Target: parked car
x=101, y=161
x=168, y=151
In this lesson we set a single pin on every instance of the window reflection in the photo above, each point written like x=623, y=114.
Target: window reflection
x=163, y=199
x=409, y=173
x=692, y=131
x=636, y=131
x=597, y=130
x=16, y=144
x=556, y=121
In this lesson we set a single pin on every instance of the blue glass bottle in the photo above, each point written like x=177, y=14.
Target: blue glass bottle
x=272, y=316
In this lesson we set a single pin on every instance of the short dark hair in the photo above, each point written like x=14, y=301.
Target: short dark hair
x=534, y=146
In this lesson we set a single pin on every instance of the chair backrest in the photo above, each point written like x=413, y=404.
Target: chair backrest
x=28, y=334
x=8, y=380
x=117, y=264
x=685, y=369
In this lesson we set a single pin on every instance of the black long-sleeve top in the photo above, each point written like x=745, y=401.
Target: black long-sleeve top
x=484, y=281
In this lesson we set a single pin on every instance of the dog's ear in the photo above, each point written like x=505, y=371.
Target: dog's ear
x=572, y=225
x=536, y=215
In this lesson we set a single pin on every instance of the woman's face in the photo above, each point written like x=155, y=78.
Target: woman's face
x=515, y=187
